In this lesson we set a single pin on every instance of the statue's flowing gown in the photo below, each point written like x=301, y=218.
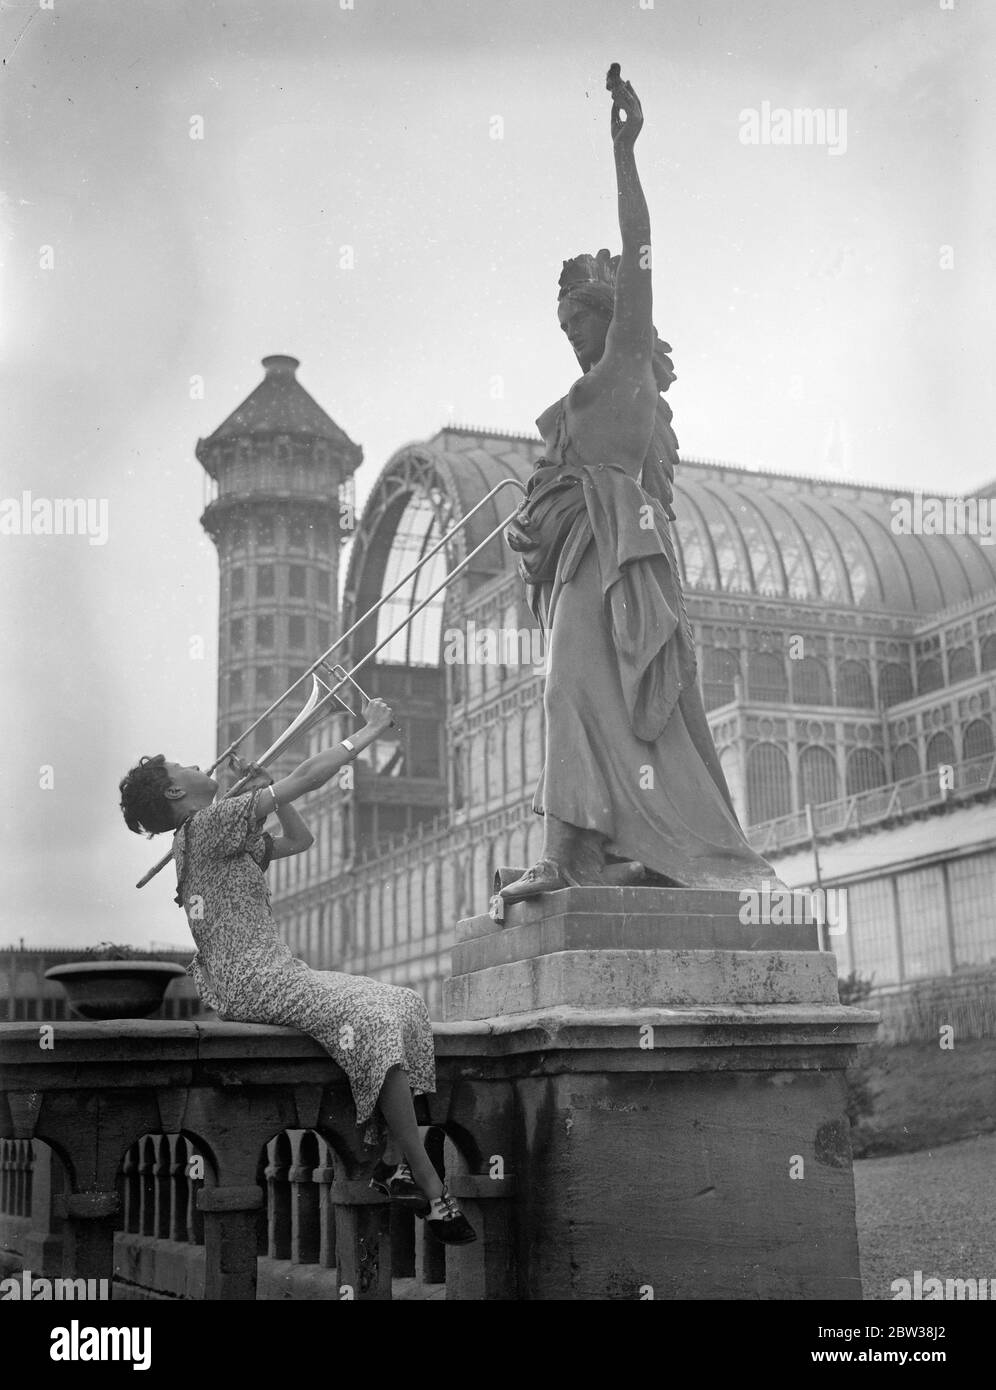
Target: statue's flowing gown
x=628, y=747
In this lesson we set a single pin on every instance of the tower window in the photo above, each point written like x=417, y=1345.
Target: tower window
x=237, y=633
x=238, y=583
x=298, y=581
x=297, y=535
x=296, y=631
x=264, y=530
x=264, y=681
x=324, y=634
x=264, y=632
x=235, y=686
x=264, y=581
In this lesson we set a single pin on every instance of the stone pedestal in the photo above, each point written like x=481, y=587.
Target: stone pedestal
x=678, y=1078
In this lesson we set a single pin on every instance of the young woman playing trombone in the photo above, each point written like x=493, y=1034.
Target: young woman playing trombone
x=380, y=1034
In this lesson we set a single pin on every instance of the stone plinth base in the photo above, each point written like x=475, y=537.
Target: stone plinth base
x=679, y=1095
x=627, y=947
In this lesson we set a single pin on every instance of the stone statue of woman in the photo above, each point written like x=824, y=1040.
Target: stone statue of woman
x=631, y=789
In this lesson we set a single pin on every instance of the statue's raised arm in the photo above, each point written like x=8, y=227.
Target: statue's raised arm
x=631, y=330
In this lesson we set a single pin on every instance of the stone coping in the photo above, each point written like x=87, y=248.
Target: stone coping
x=158, y=1045
x=139, y=966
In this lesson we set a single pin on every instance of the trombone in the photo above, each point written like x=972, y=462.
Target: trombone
x=328, y=678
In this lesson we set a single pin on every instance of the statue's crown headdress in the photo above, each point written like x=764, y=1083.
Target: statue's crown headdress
x=588, y=270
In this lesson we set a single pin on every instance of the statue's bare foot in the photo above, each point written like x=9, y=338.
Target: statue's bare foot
x=543, y=877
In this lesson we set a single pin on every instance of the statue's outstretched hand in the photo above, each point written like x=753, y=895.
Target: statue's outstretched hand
x=624, y=102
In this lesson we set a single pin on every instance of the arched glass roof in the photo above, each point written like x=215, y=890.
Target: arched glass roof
x=735, y=532
x=417, y=644
x=816, y=541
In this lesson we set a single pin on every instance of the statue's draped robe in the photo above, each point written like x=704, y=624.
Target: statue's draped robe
x=628, y=748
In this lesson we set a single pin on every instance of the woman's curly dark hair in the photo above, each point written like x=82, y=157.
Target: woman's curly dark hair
x=143, y=797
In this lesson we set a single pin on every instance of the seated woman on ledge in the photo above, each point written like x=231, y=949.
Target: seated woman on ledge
x=379, y=1034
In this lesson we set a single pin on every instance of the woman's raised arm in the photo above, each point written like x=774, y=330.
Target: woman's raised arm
x=631, y=330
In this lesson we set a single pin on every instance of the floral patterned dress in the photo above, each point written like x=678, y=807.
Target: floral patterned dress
x=247, y=973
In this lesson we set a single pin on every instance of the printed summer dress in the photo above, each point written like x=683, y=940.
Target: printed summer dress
x=247, y=973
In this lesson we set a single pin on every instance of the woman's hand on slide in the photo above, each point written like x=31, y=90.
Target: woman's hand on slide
x=624, y=101
x=378, y=715
x=259, y=777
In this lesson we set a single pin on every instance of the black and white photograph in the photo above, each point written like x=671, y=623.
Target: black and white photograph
x=498, y=689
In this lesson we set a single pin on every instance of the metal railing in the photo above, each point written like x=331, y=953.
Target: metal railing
x=863, y=809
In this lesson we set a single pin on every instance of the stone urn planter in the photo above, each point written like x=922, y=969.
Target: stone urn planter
x=103, y=989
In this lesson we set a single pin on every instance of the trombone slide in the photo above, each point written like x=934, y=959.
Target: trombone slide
x=318, y=705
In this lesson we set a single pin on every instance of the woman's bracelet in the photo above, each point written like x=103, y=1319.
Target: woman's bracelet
x=349, y=746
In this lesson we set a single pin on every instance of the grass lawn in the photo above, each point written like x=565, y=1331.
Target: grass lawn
x=934, y=1211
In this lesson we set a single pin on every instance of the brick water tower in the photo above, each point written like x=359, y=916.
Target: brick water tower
x=278, y=466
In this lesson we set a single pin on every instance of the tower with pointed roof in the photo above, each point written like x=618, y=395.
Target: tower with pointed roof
x=278, y=466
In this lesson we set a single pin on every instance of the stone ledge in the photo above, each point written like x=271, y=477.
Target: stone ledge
x=159, y=1041
x=703, y=1037
x=705, y=1029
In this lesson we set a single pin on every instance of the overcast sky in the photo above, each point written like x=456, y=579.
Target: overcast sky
x=803, y=292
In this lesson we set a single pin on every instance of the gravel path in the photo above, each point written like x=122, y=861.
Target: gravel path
x=934, y=1211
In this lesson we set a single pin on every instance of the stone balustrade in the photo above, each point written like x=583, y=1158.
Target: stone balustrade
x=640, y=1095
x=214, y=1160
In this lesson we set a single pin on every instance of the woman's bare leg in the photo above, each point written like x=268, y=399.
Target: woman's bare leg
x=395, y=1101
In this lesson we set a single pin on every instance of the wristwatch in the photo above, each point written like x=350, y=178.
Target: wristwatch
x=349, y=746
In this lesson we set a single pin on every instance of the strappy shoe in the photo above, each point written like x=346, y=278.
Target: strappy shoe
x=394, y=1181
x=447, y=1222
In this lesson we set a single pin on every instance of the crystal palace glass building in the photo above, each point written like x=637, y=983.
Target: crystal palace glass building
x=846, y=667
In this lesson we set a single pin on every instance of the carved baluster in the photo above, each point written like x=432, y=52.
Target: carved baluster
x=196, y=1168
x=131, y=1197
x=29, y=1172
x=304, y=1195
x=147, y=1186
x=179, y=1191
x=324, y=1177
x=20, y=1165
x=161, y=1176
x=278, y=1199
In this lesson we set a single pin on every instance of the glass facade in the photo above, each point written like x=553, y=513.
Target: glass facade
x=872, y=925
x=419, y=642
x=923, y=913
x=972, y=884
